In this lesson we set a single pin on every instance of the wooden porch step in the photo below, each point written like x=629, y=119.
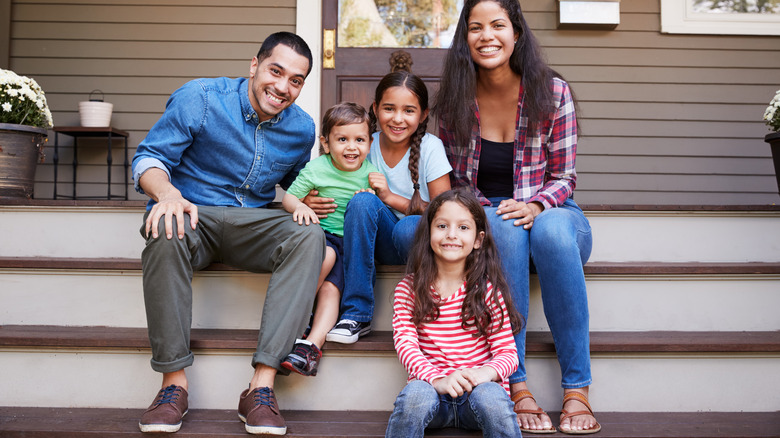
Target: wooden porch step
x=593, y=268
x=40, y=336
x=85, y=422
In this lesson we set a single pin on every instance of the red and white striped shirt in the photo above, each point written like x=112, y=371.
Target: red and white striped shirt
x=435, y=349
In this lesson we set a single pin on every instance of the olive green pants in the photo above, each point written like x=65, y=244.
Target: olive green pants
x=253, y=239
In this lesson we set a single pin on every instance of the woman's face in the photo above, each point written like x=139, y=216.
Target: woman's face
x=490, y=36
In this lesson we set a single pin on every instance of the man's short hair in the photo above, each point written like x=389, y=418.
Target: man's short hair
x=288, y=39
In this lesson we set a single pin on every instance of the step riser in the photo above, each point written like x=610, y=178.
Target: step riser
x=685, y=303
x=625, y=236
x=674, y=383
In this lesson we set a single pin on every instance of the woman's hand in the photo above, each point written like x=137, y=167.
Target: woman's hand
x=321, y=206
x=522, y=212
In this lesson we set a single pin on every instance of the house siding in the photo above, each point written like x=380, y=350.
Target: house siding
x=137, y=52
x=666, y=119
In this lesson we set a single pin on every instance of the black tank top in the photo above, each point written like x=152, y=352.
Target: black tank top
x=496, y=173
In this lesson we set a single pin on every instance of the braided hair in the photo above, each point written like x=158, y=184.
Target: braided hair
x=405, y=79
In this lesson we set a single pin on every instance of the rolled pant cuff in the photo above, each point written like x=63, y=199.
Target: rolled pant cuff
x=513, y=380
x=576, y=385
x=176, y=365
x=353, y=317
x=270, y=361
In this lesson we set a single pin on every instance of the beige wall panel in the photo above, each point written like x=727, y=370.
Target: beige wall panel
x=154, y=13
x=714, y=183
x=664, y=57
x=146, y=32
x=212, y=3
x=644, y=39
x=665, y=111
x=666, y=75
x=654, y=146
x=675, y=93
x=135, y=49
x=675, y=165
x=669, y=128
x=125, y=67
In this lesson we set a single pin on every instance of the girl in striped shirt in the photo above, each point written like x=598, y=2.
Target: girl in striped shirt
x=453, y=326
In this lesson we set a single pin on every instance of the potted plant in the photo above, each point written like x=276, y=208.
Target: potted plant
x=772, y=119
x=24, y=118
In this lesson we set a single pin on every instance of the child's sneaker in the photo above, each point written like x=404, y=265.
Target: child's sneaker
x=304, y=358
x=348, y=331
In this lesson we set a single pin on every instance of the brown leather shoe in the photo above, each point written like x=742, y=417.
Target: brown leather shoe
x=258, y=409
x=166, y=411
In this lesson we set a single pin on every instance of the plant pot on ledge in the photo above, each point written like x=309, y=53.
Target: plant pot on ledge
x=21, y=148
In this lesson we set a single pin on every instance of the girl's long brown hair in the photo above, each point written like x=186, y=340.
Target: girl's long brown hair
x=482, y=265
x=416, y=86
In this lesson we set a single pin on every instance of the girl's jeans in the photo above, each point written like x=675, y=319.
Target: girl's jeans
x=372, y=233
x=419, y=406
x=559, y=243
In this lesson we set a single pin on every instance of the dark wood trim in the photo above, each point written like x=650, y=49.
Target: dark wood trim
x=43, y=336
x=594, y=268
x=45, y=422
x=585, y=207
x=5, y=34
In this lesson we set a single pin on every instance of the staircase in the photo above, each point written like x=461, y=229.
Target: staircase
x=684, y=319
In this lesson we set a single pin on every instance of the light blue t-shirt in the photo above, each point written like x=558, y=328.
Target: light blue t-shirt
x=433, y=164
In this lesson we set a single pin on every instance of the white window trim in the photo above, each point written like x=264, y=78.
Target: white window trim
x=677, y=17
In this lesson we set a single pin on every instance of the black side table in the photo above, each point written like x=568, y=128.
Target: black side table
x=80, y=131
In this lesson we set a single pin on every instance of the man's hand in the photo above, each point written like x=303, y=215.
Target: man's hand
x=455, y=385
x=320, y=206
x=167, y=207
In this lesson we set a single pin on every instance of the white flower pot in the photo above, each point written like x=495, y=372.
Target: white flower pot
x=95, y=114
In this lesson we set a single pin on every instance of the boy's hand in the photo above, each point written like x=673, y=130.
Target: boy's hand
x=378, y=182
x=321, y=206
x=478, y=376
x=365, y=190
x=454, y=385
x=303, y=213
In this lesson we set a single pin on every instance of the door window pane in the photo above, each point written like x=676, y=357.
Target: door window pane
x=397, y=23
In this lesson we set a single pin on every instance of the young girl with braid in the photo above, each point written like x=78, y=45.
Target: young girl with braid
x=380, y=227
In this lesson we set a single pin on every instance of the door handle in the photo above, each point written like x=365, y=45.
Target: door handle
x=329, y=48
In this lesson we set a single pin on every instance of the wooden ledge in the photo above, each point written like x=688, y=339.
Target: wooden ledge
x=43, y=336
x=90, y=422
x=594, y=268
x=585, y=207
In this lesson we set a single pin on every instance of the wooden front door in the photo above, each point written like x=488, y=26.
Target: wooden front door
x=357, y=70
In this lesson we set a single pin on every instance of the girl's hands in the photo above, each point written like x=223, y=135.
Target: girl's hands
x=378, y=182
x=455, y=385
x=522, y=212
x=303, y=213
x=478, y=376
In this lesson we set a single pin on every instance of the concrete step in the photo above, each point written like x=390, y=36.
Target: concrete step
x=368, y=376
x=63, y=422
x=622, y=296
x=111, y=229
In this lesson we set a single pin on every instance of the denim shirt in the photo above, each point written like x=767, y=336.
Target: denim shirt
x=215, y=152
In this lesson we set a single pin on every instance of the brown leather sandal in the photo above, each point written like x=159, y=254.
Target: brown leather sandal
x=522, y=395
x=582, y=398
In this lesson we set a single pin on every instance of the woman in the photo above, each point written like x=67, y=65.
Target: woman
x=510, y=132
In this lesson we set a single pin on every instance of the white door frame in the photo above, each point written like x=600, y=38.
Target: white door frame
x=308, y=24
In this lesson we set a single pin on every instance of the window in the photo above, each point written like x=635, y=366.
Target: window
x=735, y=17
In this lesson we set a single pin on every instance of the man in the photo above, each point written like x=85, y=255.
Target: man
x=209, y=165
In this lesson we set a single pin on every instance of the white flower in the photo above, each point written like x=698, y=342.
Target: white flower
x=23, y=102
x=7, y=107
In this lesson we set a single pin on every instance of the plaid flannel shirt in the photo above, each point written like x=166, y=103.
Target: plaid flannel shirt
x=543, y=164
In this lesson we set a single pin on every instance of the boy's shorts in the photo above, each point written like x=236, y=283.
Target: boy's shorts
x=336, y=274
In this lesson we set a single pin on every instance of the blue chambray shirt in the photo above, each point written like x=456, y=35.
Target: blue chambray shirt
x=215, y=152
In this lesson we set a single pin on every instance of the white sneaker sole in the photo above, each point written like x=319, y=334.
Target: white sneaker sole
x=346, y=339
x=263, y=430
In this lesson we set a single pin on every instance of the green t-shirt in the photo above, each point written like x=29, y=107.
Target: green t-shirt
x=322, y=175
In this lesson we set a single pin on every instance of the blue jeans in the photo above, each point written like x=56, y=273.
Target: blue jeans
x=556, y=247
x=419, y=406
x=372, y=233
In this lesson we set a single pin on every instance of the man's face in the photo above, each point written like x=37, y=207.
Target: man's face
x=276, y=82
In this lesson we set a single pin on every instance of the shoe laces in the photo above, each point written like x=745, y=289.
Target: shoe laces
x=264, y=396
x=169, y=394
x=349, y=322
